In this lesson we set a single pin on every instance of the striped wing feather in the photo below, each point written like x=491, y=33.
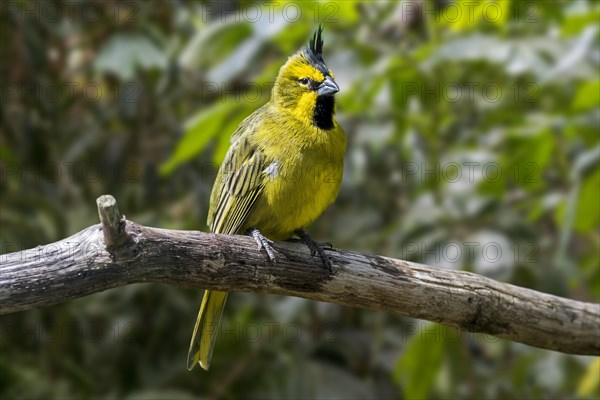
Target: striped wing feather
x=238, y=185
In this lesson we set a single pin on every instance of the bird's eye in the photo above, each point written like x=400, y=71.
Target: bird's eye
x=303, y=81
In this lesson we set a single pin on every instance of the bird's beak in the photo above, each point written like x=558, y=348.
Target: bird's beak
x=328, y=87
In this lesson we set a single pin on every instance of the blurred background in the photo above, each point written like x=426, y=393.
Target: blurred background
x=473, y=132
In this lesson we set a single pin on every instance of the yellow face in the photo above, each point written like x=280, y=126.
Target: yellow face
x=300, y=84
x=303, y=70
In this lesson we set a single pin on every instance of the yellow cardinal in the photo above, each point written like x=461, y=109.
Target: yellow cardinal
x=283, y=168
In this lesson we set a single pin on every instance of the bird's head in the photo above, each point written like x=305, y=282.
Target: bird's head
x=305, y=86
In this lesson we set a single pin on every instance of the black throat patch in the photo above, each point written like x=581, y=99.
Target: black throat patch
x=323, y=114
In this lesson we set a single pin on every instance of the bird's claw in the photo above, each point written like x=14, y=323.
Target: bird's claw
x=316, y=248
x=264, y=243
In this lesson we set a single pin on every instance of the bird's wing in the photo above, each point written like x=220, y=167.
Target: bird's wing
x=239, y=182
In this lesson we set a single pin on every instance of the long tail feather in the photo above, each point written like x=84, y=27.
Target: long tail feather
x=206, y=329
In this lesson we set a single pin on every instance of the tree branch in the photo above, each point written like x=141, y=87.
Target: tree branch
x=120, y=252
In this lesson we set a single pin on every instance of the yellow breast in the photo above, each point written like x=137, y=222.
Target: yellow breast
x=301, y=181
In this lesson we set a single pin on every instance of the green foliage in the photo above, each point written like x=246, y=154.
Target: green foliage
x=419, y=365
x=588, y=96
x=200, y=130
x=590, y=383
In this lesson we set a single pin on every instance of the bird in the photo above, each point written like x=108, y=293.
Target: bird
x=283, y=168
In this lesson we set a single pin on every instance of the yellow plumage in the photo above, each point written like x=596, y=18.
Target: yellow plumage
x=283, y=168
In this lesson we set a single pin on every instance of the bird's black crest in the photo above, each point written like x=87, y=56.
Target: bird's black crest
x=316, y=44
x=314, y=52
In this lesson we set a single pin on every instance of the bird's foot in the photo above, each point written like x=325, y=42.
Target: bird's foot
x=264, y=243
x=316, y=248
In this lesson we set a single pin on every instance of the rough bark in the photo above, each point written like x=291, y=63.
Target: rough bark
x=120, y=252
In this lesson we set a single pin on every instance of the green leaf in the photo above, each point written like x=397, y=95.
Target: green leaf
x=467, y=15
x=588, y=96
x=213, y=43
x=347, y=11
x=574, y=24
x=527, y=156
x=588, y=212
x=198, y=131
x=417, y=369
x=590, y=383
